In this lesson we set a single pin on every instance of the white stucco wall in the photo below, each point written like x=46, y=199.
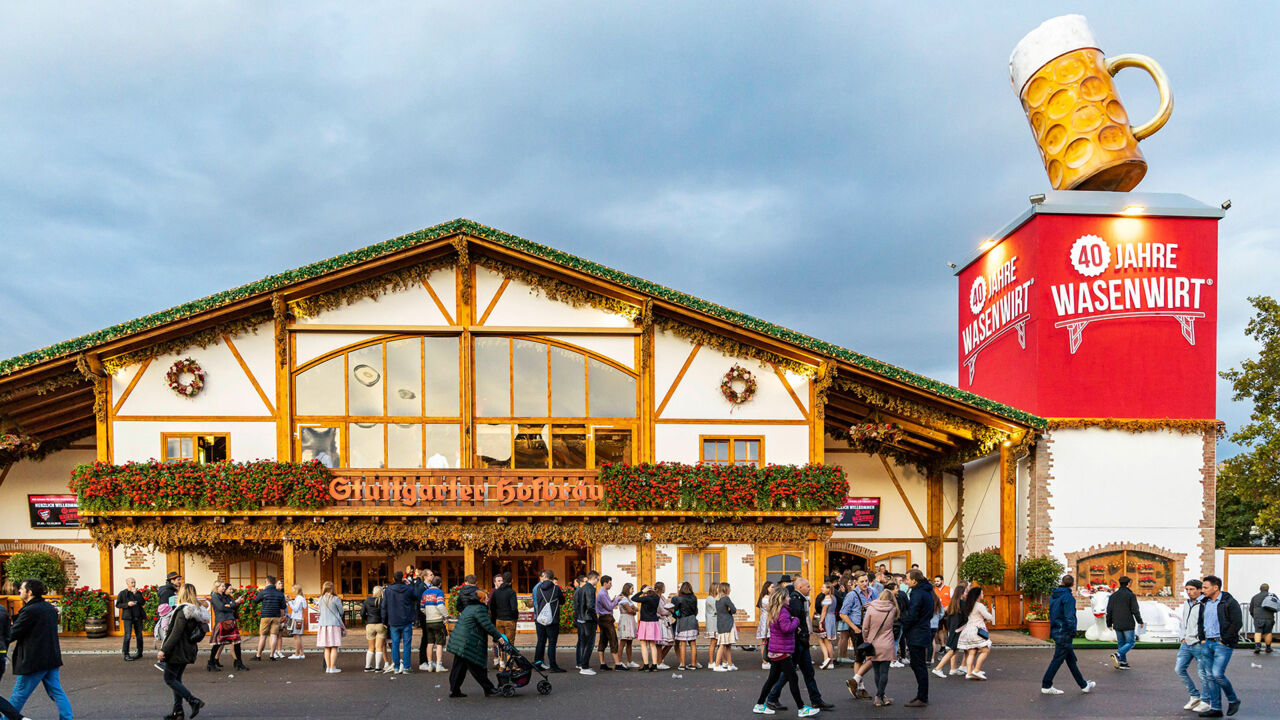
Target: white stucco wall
x=667, y=573
x=612, y=558
x=140, y=440
x=410, y=306
x=741, y=577
x=227, y=389
x=46, y=477
x=1117, y=486
x=698, y=394
x=981, y=517
x=147, y=565
x=522, y=305
x=783, y=444
x=867, y=478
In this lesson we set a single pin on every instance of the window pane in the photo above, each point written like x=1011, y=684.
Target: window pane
x=173, y=448
x=442, y=376
x=365, y=382
x=715, y=451
x=404, y=445
x=212, y=448
x=791, y=564
x=404, y=377
x=613, y=446
x=746, y=452
x=711, y=567
x=493, y=378
x=689, y=569
x=319, y=389
x=613, y=392
x=533, y=446
x=444, y=446
x=773, y=563
x=186, y=451
x=366, y=445
x=569, y=446
x=320, y=443
x=530, y=376
x=568, y=383
x=493, y=445
x=349, y=576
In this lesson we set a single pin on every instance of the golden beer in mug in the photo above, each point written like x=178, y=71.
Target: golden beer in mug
x=1081, y=127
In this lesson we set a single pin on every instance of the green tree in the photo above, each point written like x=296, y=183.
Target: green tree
x=1249, y=483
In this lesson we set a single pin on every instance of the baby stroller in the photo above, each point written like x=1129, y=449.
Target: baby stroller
x=518, y=672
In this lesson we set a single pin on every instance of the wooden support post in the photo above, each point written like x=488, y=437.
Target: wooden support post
x=1008, y=518
x=106, y=580
x=934, y=521
x=283, y=354
x=102, y=413
x=468, y=559
x=647, y=561
x=817, y=565
x=173, y=563
x=287, y=565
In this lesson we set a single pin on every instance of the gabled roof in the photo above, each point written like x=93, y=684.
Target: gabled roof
x=286, y=279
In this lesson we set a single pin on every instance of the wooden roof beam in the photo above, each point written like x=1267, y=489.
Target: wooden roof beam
x=68, y=409
x=64, y=395
x=841, y=401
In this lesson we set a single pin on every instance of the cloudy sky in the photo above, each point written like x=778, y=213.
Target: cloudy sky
x=810, y=163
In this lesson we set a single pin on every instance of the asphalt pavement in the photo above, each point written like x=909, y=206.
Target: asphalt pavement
x=102, y=686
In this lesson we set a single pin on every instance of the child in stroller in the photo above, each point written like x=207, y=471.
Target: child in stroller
x=518, y=672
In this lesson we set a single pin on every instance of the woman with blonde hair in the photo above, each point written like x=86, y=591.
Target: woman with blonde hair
x=780, y=649
x=181, y=646
x=709, y=616
x=649, y=632
x=953, y=621
x=726, y=630
x=331, y=628
x=762, y=624
x=297, y=607
x=824, y=623
x=628, y=625
x=226, y=626
x=375, y=630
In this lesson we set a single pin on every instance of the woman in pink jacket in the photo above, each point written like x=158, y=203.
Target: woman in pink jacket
x=781, y=645
x=877, y=629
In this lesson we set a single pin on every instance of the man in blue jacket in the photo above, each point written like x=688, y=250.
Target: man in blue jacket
x=400, y=610
x=1062, y=628
x=271, y=609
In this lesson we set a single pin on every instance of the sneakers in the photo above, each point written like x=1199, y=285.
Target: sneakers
x=717, y=668
x=1233, y=707
x=762, y=710
x=425, y=667
x=1088, y=687
x=663, y=666
x=939, y=673
x=634, y=665
x=1191, y=703
x=1115, y=660
x=586, y=671
x=1050, y=691
x=388, y=668
x=895, y=664
x=807, y=711
x=605, y=668
x=959, y=671
x=731, y=667
x=297, y=657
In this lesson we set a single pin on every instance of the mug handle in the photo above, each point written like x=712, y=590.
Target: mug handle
x=1120, y=62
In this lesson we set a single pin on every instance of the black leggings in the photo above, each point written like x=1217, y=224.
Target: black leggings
x=782, y=667
x=881, y=668
x=173, y=678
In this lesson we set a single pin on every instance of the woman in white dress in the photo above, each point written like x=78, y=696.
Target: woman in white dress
x=668, y=622
x=297, y=606
x=974, y=640
x=627, y=624
x=824, y=624
x=709, y=618
x=762, y=624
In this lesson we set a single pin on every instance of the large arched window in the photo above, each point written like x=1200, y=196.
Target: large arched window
x=395, y=402
x=542, y=404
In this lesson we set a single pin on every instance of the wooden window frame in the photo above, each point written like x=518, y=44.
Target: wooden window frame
x=702, y=440
x=166, y=436
x=258, y=577
x=364, y=576
x=764, y=552
x=700, y=587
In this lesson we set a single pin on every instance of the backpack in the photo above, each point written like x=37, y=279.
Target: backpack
x=545, y=616
x=1271, y=602
x=196, y=631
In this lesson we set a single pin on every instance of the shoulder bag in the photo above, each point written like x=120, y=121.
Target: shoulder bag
x=545, y=616
x=866, y=647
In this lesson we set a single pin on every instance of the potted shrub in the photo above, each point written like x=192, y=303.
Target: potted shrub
x=85, y=609
x=1037, y=577
x=40, y=565
x=984, y=568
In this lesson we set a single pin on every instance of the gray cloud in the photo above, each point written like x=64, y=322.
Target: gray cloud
x=814, y=164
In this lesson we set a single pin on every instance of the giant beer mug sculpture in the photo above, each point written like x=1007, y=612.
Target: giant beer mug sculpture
x=1082, y=129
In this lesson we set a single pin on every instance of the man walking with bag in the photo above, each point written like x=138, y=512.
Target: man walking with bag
x=547, y=599
x=1062, y=629
x=1263, y=607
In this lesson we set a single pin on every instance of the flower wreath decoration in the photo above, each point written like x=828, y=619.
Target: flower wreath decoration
x=180, y=368
x=738, y=374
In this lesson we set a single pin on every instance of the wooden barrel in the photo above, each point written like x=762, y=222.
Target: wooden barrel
x=95, y=627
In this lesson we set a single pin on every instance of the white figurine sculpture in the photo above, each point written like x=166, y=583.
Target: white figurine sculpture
x=1160, y=623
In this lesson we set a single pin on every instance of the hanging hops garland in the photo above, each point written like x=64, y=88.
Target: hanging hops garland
x=185, y=366
x=875, y=432
x=738, y=374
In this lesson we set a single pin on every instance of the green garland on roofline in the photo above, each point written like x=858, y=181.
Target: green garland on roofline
x=730, y=347
x=373, y=288
x=561, y=291
x=45, y=387
x=201, y=339
x=457, y=227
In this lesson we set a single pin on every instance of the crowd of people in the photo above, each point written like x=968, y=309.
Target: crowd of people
x=872, y=621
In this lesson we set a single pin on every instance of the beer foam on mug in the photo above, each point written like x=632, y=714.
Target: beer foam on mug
x=1054, y=37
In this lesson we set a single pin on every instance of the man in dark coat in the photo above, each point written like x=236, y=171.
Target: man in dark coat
x=1062, y=628
x=468, y=640
x=6, y=709
x=584, y=617
x=37, y=656
x=917, y=633
x=271, y=611
x=1124, y=617
x=1264, y=618
x=129, y=602
x=798, y=606
x=168, y=588
x=400, y=611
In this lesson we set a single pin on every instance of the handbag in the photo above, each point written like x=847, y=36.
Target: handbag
x=545, y=616
x=1271, y=602
x=866, y=647
x=982, y=633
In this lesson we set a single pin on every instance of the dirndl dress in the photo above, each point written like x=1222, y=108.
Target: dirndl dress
x=650, y=630
x=667, y=621
x=329, y=636
x=762, y=625
x=226, y=632
x=627, y=622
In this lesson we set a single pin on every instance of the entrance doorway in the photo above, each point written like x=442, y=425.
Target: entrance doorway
x=841, y=561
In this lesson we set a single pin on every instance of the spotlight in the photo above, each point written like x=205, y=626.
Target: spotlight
x=1037, y=199
x=1226, y=204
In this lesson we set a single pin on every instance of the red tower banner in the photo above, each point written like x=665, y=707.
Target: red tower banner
x=1096, y=305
